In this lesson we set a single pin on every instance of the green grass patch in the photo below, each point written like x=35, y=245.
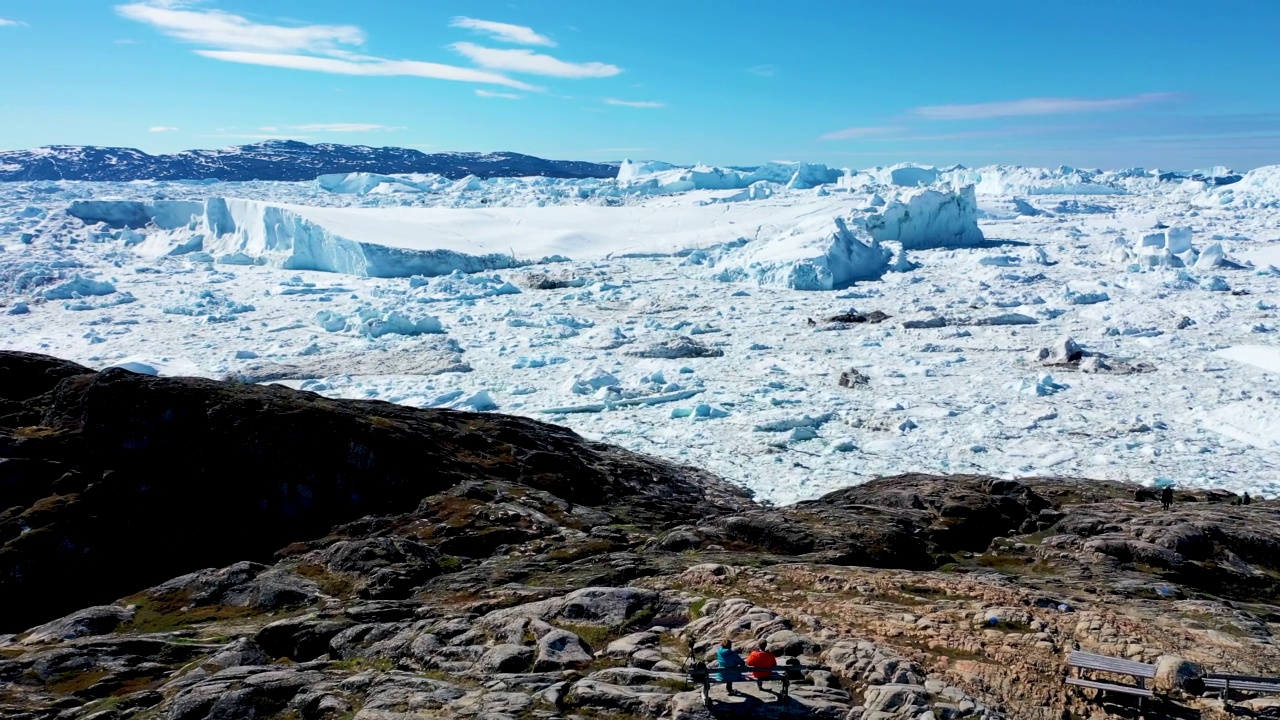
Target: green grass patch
x=361, y=664
x=384, y=423
x=597, y=636
x=1008, y=563
x=675, y=686
x=328, y=582
x=579, y=552
x=170, y=611
x=695, y=609
x=74, y=683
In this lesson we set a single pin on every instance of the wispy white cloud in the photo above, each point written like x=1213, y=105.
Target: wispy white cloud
x=224, y=30
x=492, y=94
x=531, y=63
x=763, y=70
x=317, y=48
x=258, y=136
x=634, y=103
x=503, y=32
x=368, y=66
x=162, y=129
x=858, y=132
x=344, y=127
x=1039, y=106
x=11, y=23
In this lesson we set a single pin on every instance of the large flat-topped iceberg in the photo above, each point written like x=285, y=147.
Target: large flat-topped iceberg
x=663, y=178
x=818, y=244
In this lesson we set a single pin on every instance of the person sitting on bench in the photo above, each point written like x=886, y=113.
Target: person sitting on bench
x=727, y=659
x=763, y=659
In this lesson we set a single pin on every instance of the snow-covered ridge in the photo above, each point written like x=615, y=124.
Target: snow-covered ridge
x=275, y=160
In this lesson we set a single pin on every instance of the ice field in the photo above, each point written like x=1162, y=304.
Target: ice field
x=732, y=320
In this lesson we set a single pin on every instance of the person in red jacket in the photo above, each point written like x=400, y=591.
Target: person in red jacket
x=763, y=659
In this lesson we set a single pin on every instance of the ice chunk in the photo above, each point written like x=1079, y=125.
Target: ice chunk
x=1215, y=283
x=395, y=323
x=929, y=219
x=679, y=347
x=1212, y=257
x=78, y=287
x=479, y=402
x=592, y=379
x=138, y=367
x=1085, y=298
x=785, y=424
x=911, y=175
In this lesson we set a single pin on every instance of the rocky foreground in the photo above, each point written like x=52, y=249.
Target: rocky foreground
x=310, y=558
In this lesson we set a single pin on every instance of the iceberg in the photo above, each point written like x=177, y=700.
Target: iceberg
x=817, y=243
x=924, y=219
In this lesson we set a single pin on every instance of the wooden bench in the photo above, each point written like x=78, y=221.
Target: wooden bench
x=790, y=671
x=1141, y=672
x=1243, y=683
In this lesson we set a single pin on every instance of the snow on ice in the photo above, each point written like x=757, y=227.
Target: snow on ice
x=1115, y=324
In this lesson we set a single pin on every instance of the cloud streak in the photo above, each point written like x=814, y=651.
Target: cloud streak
x=162, y=129
x=859, y=132
x=343, y=127
x=368, y=66
x=332, y=49
x=492, y=94
x=763, y=70
x=531, y=63
x=11, y=23
x=224, y=30
x=503, y=32
x=1039, y=106
x=634, y=103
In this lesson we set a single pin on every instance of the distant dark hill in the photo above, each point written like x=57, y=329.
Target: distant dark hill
x=276, y=160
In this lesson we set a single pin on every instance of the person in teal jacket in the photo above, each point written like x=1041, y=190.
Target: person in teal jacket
x=727, y=659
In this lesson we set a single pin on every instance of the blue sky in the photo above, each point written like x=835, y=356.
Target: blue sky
x=1090, y=83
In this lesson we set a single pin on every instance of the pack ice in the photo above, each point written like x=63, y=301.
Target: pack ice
x=793, y=327
x=817, y=243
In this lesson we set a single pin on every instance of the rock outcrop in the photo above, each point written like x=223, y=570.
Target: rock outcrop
x=114, y=480
x=221, y=550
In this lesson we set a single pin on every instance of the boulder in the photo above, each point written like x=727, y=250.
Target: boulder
x=1177, y=674
x=97, y=620
x=505, y=659
x=895, y=700
x=300, y=638
x=561, y=650
x=611, y=606
x=853, y=378
x=626, y=646
x=792, y=644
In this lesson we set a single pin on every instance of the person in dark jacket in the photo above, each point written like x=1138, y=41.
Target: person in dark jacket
x=727, y=659
x=1166, y=497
